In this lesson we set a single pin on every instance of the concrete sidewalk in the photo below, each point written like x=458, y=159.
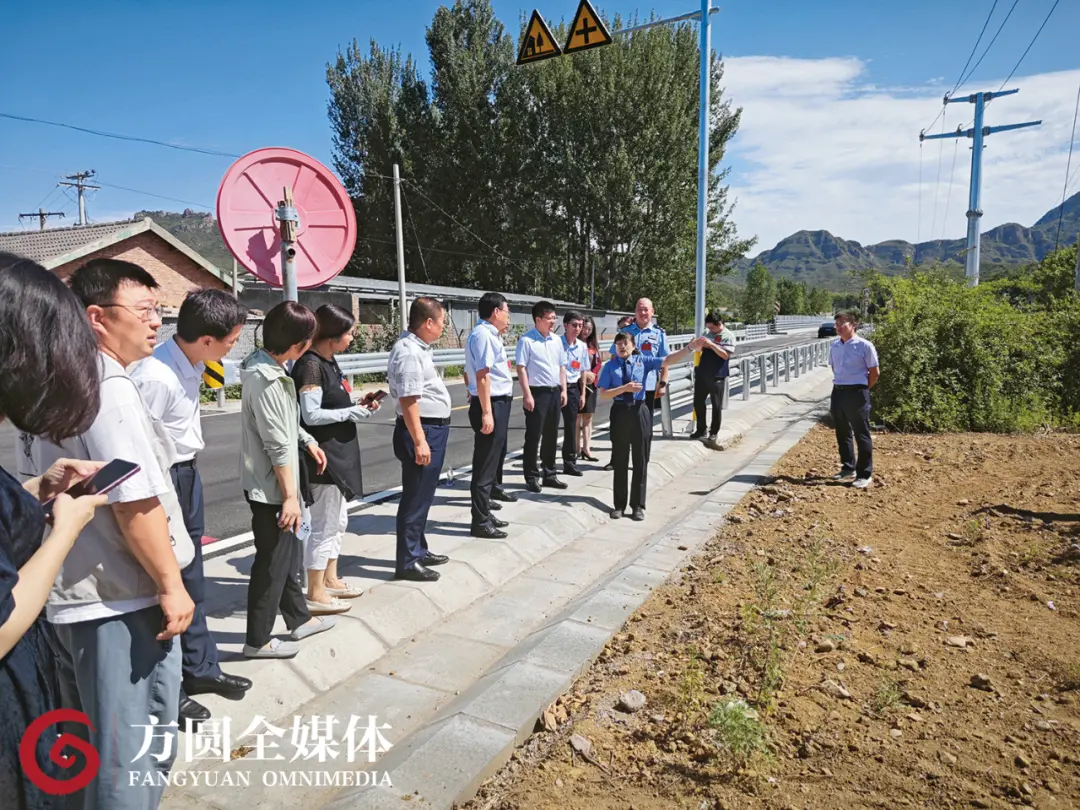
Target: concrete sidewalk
x=407, y=651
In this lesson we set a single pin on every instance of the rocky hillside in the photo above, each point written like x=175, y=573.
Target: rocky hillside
x=820, y=258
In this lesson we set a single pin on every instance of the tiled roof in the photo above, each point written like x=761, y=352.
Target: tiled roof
x=41, y=246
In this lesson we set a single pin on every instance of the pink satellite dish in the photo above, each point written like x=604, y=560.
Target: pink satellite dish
x=246, y=210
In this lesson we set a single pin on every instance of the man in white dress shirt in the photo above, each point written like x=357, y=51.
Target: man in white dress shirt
x=491, y=387
x=207, y=328
x=541, y=368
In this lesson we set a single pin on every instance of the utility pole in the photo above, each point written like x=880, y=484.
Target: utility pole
x=81, y=186
x=41, y=216
x=976, y=133
x=400, y=248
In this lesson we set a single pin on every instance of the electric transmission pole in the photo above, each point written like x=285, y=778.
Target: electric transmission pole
x=81, y=186
x=976, y=133
x=41, y=216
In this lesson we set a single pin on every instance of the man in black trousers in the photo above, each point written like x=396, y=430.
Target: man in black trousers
x=540, y=361
x=207, y=328
x=576, y=355
x=420, y=434
x=491, y=388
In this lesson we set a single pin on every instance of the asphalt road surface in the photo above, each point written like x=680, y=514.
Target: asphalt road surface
x=227, y=514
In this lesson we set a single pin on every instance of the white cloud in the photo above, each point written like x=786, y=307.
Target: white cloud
x=821, y=147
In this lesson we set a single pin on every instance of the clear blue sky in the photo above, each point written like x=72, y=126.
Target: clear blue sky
x=238, y=75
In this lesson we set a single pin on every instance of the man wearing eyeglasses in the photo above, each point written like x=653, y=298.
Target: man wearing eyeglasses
x=120, y=599
x=207, y=327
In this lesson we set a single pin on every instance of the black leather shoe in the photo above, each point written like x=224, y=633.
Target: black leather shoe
x=573, y=472
x=192, y=711
x=498, y=524
x=434, y=559
x=221, y=685
x=609, y=467
x=502, y=495
x=615, y=514
x=554, y=483
x=417, y=573
x=696, y=436
x=494, y=505
x=587, y=457
x=639, y=514
x=488, y=532
x=532, y=486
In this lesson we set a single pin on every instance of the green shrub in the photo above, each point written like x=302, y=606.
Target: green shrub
x=1001, y=357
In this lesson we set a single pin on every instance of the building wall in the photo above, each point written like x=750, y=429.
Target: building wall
x=176, y=273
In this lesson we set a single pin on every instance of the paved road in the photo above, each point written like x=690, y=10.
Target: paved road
x=228, y=515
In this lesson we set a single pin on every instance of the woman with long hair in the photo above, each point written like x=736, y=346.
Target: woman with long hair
x=328, y=413
x=49, y=386
x=585, y=418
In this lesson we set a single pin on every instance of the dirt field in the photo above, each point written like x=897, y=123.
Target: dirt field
x=914, y=645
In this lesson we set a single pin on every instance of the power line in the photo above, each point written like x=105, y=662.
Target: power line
x=1068, y=168
x=1030, y=44
x=937, y=182
x=416, y=236
x=159, y=196
x=974, y=48
x=991, y=45
x=948, y=195
x=918, y=229
x=463, y=227
x=118, y=136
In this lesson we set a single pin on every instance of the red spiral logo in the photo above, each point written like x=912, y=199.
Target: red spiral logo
x=28, y=745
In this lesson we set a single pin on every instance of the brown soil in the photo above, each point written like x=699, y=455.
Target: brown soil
x=914, y=645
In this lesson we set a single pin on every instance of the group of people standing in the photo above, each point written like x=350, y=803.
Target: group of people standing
x=95, y=589
x=102, y=596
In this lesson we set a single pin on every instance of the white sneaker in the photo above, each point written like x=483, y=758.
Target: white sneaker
x=862, y=483
x=275, y=649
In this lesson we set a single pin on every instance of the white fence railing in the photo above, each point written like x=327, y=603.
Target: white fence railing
x=786, y=322
x=754, y=370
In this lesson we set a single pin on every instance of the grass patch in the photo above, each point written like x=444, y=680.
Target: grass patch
x=889, y=697
x=739, y=732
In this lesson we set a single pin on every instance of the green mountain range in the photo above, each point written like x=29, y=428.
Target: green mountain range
x=819, y=258
x=816, y=257
x=197, y=230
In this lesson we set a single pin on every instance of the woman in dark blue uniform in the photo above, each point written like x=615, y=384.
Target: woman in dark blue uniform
x=623, y=379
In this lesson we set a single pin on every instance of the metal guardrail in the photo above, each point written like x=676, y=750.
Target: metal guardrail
x=375, y=362
x=782, y=322
x=753, y=371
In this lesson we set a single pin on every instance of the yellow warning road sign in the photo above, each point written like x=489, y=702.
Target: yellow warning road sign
x=214, y=374
x=587, y=30
x=538, y=43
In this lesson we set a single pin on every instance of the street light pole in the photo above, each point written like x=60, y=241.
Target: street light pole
x=703, y=166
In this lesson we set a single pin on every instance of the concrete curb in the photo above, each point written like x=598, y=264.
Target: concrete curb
x=401, y=659
x=446, y=762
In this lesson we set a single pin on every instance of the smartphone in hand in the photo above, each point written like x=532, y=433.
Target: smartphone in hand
x=104, y=480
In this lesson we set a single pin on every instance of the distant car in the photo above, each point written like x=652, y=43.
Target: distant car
x=827, y=329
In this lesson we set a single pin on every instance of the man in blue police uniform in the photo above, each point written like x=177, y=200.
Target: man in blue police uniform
x=491, y=388
x=576, y=354
x=854, y=364
x=623, y=379
x=541, y=368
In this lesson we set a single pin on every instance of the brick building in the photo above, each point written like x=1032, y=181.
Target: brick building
x=177, y=268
